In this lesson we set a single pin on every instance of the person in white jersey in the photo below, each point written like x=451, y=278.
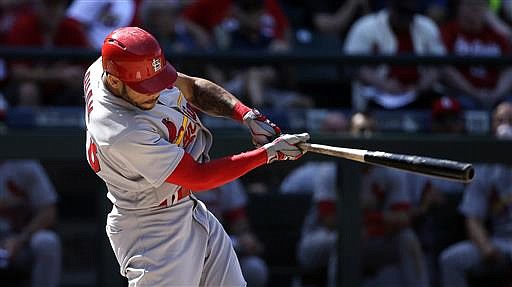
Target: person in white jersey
x=28, y=216
x=146, y=141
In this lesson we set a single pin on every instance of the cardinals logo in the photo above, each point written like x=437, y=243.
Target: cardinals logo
x=171, y=128
x=157, y=65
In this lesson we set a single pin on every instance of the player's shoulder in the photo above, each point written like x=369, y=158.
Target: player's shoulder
x=108, y=117
x=171, y=97
x=369, y=21
x=110, y=122
x=425, y=24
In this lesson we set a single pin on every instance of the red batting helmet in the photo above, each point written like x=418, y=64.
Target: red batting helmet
x=135, y=57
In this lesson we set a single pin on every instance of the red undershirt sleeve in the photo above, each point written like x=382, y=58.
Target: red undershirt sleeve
x=203, y=176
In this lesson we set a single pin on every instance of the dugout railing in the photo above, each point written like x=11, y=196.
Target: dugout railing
x=241, y=57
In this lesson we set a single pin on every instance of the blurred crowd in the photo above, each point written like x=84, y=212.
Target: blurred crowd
x=367, y=27
x=414, y=228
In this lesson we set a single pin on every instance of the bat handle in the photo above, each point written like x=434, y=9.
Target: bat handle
x=443, y=168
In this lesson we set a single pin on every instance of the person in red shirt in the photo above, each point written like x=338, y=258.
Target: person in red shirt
x=267, y=17
x=243, y=25
x=49, y=82
x=471, y=35
x=396, y=30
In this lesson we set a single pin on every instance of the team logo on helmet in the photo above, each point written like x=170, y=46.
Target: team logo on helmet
x=157, y=65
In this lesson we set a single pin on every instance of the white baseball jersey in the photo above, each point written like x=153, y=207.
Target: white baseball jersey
x=382, y=187
x=318, y=178
x=180, y=243
x=135, y=150
x=489, y=196
x=417, y=183
x=27, y=182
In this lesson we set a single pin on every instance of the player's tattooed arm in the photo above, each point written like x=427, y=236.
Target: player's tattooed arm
x=206, y=95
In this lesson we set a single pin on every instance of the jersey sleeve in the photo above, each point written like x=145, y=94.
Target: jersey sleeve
x=147, y=154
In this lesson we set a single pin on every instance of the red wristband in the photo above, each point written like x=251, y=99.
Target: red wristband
x=239, y=111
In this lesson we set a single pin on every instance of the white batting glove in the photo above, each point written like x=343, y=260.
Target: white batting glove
x=285, y=147
x=262, y=129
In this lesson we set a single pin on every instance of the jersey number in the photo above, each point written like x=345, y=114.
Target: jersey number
x=92, y=156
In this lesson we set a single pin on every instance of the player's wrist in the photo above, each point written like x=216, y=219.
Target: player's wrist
x=239, y=111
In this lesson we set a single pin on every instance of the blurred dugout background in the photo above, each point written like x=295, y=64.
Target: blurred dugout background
x=419, y=77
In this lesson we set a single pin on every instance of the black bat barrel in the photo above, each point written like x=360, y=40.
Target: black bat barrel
x=443, y=168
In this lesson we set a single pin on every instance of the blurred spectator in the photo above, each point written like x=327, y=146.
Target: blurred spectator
x=27, y=216
x=362, y=124
x=317, y=245
x=433, y=218
x=437, y=10
x=486, y=256
x=387, y=239
x=447, y=116
x=228, y=203
x=395, y=30
x=502, y=120
x=164, y=20
x=249, y=25
x=498, y=16
x=9, y=12
x=334, y=122
x=45, y=27
x=99, y=18
x=471, y=35
x=335, y=17
x=239, y=24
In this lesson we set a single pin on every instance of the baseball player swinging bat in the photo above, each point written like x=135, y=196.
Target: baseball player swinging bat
x=441, y=168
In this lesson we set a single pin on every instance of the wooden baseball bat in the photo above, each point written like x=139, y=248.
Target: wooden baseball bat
x=442, y=168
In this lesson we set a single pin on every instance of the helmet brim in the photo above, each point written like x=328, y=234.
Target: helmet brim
x=163, y=80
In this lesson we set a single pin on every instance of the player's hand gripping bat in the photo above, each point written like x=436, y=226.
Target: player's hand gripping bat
x=442, y=168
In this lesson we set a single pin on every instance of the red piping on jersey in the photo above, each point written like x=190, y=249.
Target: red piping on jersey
x=239, y=111
x=202, y=176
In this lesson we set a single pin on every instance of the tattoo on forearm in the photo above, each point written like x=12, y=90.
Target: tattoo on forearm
x=213, y=99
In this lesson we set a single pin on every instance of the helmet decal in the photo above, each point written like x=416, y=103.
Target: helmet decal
x=157, y=65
